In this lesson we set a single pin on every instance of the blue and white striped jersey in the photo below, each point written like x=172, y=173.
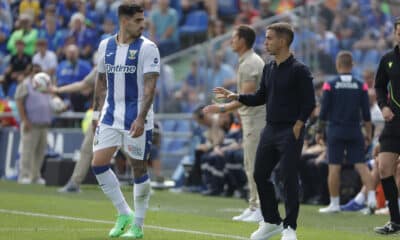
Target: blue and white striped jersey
x=124, y=66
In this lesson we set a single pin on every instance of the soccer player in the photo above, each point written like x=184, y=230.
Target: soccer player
x=387, y=86
x=128, y=68
x=343, y=99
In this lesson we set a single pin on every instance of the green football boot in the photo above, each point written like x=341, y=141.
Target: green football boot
x=121, y=225
x=134, y=232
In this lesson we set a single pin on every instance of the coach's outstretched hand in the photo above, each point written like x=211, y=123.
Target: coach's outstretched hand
x=137, y=128
x=221, y=92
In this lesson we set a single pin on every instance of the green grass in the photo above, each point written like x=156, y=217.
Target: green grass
x=187, y=212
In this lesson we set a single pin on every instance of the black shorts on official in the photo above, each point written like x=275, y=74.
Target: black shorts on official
x=342, y=150
x=390, y=137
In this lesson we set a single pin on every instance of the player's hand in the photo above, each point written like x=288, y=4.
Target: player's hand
x=387, y=114
x=222, y=93
x=137, y=128
x=213, y=108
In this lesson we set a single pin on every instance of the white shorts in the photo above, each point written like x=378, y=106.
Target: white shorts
x=136, y=148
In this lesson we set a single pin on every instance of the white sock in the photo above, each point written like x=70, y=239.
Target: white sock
x=360, y=198
x=141, y=196
x=110, y=186
x=335, y=201
x=371, y=199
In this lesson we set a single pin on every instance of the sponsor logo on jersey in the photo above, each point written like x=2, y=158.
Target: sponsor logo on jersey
x=120, y=68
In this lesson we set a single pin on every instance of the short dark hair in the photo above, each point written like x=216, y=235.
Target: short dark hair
x=345, y=58
x=129, y=9
x=247, y=33
x=283, y=30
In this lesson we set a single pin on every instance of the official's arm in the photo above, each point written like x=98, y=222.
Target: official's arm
x=381, y=83
x=259, y=97
x=307, y=96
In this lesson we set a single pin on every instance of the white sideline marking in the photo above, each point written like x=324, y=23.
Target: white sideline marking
x=110, y=222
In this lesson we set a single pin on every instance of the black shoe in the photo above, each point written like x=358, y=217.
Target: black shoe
x=388, y=228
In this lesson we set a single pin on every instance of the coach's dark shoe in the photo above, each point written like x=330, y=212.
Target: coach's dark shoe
x=388, y=228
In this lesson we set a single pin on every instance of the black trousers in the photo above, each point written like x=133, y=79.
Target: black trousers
x=278, y=144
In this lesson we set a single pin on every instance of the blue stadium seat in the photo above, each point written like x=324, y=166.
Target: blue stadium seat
x=228, y=7
x=196, y=22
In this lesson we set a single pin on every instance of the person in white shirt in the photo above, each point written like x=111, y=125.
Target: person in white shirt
x=45, y=58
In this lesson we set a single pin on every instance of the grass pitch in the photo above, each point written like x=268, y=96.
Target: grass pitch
x=38, y=212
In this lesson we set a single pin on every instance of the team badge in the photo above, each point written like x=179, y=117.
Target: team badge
x=390, y=64
x=132, y=54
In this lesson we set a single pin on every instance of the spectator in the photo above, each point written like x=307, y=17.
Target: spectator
x=36, y=115
x=164, y=28
x=247, y=13
x=221, y=74
x=216, y=28
x=16, y=69
x=30, y=7
x=45, y=58
x=71, y=70
x=327, y=42
x=327, y=46
x=68, y=9
x=28, y=34
x=82, y=36
x=94, y=18
x=5, y=14
x=108, y=28
x=213, y=163
x=4, y=34
x=265, y=9
x=348, y=29
x=54, y=36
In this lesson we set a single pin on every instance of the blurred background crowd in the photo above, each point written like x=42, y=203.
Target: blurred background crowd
x=61, y=38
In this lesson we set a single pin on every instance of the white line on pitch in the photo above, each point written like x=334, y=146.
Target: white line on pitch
x=110, y=222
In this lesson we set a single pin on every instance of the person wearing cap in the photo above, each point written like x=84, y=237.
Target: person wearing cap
x=25, y=33
x=387, y=87
x=44, y=57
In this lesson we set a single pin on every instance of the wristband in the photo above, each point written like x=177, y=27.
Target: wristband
x=222, y=109
x=95, y=115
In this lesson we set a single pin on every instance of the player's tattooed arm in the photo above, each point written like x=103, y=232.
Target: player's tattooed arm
x=100, y=91
x=150, y=82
